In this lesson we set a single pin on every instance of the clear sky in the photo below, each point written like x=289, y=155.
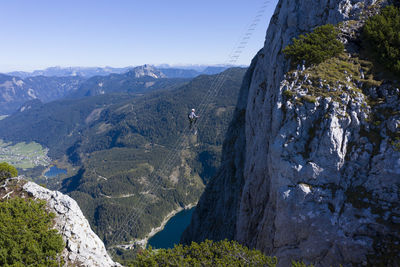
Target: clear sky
x=41, y=33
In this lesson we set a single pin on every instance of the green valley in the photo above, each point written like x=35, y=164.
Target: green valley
x=121, y=150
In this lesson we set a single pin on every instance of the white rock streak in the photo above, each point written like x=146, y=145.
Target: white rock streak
x=83, y=246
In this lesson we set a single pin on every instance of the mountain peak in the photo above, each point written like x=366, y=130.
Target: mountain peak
x=146, y=70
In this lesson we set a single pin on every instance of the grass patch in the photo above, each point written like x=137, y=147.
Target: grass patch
x=396, y=143
x=337, y=75
x=310, y=99
x=288, y=93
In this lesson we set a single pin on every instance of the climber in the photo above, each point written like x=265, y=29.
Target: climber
x=192, y=118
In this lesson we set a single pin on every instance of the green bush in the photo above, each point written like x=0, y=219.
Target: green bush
x=207, y=253
x=315, y=47
x=301, y=264
x=7, y=171
x=381, y=36
x=25, y=235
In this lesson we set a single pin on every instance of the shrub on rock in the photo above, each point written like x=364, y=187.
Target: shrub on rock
x=26, y=237
x=207, y=253
x=7, y=171
x=381, y=36
x=315, y=47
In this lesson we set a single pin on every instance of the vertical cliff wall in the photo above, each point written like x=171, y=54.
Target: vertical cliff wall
x=312, y=180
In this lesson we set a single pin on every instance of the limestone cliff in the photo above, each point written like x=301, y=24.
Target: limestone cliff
x=83, y=246
x=310, y=171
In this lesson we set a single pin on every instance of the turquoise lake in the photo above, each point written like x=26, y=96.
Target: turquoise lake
x=54, y=171
x=172, y=231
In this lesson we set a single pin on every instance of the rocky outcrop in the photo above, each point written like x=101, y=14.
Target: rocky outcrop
x=315, y=177
x=83, y=246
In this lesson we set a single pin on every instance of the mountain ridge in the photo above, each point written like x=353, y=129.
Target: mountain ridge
x=58, y=83
x=189, y=71
x=14, y=91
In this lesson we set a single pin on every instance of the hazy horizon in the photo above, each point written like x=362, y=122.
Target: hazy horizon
x=44, y=33
x=163, y=65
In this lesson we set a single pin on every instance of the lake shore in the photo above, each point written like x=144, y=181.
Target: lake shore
x=143, y=242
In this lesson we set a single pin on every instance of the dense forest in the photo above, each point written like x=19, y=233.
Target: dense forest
x=115, y=147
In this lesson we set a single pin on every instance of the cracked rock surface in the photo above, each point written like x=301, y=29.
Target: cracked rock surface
x=83, y=246
x=315, y=180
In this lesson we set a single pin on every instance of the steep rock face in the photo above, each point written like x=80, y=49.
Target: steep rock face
x=215, y=216
x=83, y=246
x=320, y=180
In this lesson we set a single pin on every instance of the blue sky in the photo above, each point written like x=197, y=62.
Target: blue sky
x=42, y=33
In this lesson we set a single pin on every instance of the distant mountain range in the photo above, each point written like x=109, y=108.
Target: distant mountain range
x=197, y=67
x=190, y=71
x=15, y=91
x=138, y=80
x=54, y=83
x=70, y=71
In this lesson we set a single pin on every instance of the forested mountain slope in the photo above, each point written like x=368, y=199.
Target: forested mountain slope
x=132, y=139
x=116, y=141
